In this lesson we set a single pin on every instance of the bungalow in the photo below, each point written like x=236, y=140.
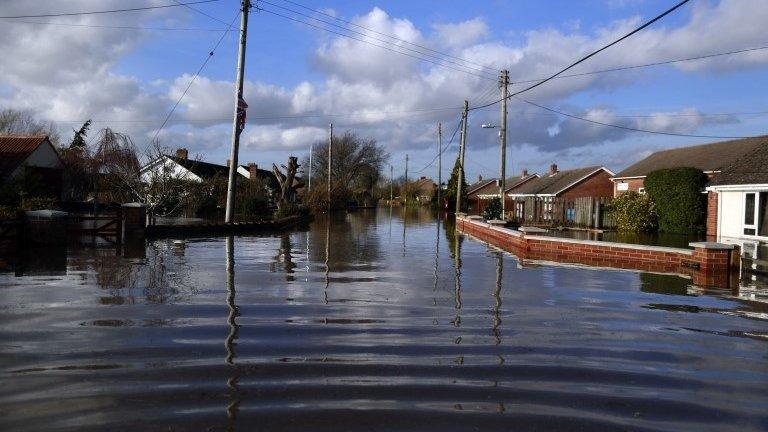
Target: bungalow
x=481, y=193
x=710, y=158
x=183, y=168
x=424, y=189
x=592, y=181
x=738, y=198
x=31, y=154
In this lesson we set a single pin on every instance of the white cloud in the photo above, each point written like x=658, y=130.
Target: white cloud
x=68, y=73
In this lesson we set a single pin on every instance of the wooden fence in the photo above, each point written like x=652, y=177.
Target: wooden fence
x=586, y=212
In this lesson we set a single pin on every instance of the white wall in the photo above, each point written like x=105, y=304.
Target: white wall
x=44, y=157
x=731, y=221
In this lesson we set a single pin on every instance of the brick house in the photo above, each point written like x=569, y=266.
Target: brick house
x=425, y=189
x=31, y=154
x=710, y=158
x=738, y=198
x=591, y=181
x=481, y=193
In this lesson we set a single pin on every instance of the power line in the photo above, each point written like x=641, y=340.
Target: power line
x=442, y=150
x=136, y=9
x=629, y=128
x=369, y=43
x=659, y=63
x=207, y=59
x=194, y=9
x=388, y=35
x=117, y=27
x=592, y=54
x=439, y=58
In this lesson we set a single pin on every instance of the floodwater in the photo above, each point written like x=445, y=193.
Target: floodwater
x=369, y=321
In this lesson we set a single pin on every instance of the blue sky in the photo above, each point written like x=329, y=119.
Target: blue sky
x=128, y=79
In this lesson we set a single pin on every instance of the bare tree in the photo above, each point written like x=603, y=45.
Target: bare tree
x=287, y=183
x=356, y=165
x=159, y=184
x=24, y=122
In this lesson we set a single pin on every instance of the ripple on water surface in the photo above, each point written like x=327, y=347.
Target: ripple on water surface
x=369, y=321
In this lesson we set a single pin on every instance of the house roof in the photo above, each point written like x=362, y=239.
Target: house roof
x=551, y=184
x=509, y=182
x=201, y=169
x=479, y=184
x=751, y=168
x=513, y=182
x=15, y=149
x=706, y=157
x=425, y=185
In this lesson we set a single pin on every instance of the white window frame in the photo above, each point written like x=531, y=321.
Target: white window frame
x=755, y=216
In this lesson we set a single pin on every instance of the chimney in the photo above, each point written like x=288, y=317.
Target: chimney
x=525, y=173
x=480, y=178
x=182, y=153
x=253, y=171
x=553, y=169
x=228, y=162
x=423, y=178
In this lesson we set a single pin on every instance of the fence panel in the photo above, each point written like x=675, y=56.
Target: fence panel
x=585, y=212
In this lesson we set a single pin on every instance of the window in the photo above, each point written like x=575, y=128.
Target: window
x=641, y=191
x=749, y=209
x=756, y=214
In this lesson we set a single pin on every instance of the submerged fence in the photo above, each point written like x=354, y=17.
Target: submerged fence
x=586, y=212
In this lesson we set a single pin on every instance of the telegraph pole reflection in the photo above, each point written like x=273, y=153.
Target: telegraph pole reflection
x=327, y=256
x=234, y=328
x=497, y=298
x=457, y=287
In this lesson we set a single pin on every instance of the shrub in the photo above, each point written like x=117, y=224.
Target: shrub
x=39, y=203
x=8, y=213
x=493, y=211
x=634, y=213
x=677, y=194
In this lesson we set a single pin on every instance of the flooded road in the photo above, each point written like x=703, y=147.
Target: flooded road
x=369, y=321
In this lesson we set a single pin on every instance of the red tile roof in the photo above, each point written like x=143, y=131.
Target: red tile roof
x=15, y=149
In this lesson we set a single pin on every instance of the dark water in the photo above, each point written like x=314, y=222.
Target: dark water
x=369, y=323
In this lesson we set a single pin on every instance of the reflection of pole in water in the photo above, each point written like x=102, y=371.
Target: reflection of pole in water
x=457, y=289
x=234, y=328
x=497, y=298
x=390, y=224
x=437, y=251
x=327, y=256
x=233, y=310
x=405, y=222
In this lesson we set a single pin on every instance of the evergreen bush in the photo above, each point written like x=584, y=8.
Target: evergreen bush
x=634, y=213
x=493, y=210
x=677, y=194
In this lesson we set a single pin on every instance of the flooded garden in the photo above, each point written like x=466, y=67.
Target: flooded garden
x=370, y=320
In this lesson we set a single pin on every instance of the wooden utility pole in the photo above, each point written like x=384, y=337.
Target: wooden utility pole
x=330, y=155
x=236, y=126
x=504, y=84
x=462, y=145
x=391, y=182
x=439, y=162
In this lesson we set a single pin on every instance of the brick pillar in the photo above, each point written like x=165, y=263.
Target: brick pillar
x=712, y=215
x=713, y=257
x=134, y=219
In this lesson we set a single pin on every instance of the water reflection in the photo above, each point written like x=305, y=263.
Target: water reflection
x=429, y=331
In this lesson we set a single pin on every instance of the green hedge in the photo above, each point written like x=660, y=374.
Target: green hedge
x=493, y=211
x=677, y=193
x=634, y=213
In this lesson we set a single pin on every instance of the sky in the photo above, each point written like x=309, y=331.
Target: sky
x=127, y=70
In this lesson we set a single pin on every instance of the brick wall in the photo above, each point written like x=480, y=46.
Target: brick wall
x=712, y=198
x=702, y=263
x=634, y=185
x=597, y=185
